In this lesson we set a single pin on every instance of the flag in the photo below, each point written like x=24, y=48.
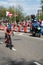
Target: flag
x=8, y=14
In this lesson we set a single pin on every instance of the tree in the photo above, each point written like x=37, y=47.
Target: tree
x=2, y=12
x=27, y=18
x=40, y=17
x=12, y=11
x=42, y=5
x=19, y=13
x=40, y=14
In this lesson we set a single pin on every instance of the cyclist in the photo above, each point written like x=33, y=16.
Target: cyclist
x=8, y=33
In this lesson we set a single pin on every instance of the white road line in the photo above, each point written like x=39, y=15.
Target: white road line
x=37, y=63
x=20, y=33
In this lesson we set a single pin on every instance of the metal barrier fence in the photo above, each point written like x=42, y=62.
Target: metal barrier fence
x=18, y=28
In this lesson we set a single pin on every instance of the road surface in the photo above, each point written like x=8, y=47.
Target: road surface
x=28, y=50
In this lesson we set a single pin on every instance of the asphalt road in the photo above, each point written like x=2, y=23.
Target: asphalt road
x=28, y=50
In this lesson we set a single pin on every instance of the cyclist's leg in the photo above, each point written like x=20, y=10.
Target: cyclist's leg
x=10, y=42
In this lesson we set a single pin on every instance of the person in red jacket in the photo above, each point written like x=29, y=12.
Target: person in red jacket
x=8, y=33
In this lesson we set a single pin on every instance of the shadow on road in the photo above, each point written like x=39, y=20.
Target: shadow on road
x=33, y=36
x=6, y=61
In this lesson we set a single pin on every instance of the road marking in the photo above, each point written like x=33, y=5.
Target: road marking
x=37, y=63
x=20, y=33
x=13, y=49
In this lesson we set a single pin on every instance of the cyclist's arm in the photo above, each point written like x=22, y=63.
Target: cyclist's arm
x=10, y=33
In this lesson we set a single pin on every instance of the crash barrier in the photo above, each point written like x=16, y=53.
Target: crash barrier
x=14, y=28
x=21, y=29
x=2, y=27
x=18, y=28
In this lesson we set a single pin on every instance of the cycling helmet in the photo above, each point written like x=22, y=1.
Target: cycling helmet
x=9, y=26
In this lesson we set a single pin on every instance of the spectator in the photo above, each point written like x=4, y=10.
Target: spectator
x=42, y=23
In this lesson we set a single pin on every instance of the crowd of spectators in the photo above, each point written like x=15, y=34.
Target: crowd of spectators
x=24, y=23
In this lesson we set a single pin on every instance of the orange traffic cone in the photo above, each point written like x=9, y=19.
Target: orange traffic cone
x=25, y=29
x=14, y=28
x=19, y=27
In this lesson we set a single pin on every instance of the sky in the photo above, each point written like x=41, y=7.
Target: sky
x=29, y=6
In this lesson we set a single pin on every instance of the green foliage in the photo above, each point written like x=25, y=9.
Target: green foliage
x=40, y=17
x=19, y=13
x=42, y=5
x=41, y=14
x=15, y=11
x=2, y=12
